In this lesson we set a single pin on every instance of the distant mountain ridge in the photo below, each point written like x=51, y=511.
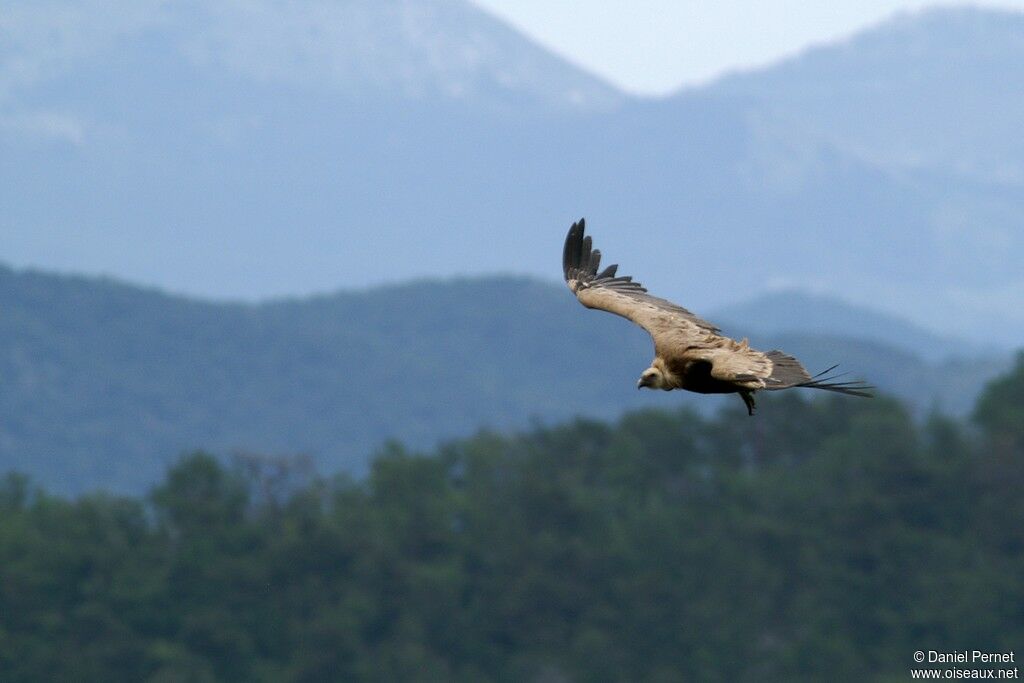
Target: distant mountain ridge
x=908, y=90
x=159, y=145
x=394, y=49
x=102, y=383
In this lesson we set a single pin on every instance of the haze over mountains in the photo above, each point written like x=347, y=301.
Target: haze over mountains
x=921, y=92
x=261, y=149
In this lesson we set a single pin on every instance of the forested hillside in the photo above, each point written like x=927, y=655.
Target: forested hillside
x=103, y=384
x=827, y=544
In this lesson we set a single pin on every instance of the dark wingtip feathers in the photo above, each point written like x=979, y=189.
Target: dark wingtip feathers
x=788, y=372
x=572, y=252
x=581, y=262
x=829, y=383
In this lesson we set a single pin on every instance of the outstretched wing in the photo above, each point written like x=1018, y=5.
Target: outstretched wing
x=671, y=326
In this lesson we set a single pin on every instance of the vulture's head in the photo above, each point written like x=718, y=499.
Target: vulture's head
x=653, y=378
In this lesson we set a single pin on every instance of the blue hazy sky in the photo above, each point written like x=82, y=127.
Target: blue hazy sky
x=652, y=47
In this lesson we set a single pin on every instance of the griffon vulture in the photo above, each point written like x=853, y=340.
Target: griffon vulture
x=689, y=353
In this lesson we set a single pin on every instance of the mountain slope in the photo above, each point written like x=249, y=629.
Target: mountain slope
x=101, y=384
x=160, y=155
x=910, y=93
x=793, y=311
x=394, y=49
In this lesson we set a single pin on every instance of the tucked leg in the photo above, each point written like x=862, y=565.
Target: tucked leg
x=748, y=398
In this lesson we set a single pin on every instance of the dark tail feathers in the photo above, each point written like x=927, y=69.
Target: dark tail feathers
x=788, y=372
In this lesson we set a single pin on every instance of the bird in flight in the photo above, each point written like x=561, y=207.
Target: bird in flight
x=689, y=353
